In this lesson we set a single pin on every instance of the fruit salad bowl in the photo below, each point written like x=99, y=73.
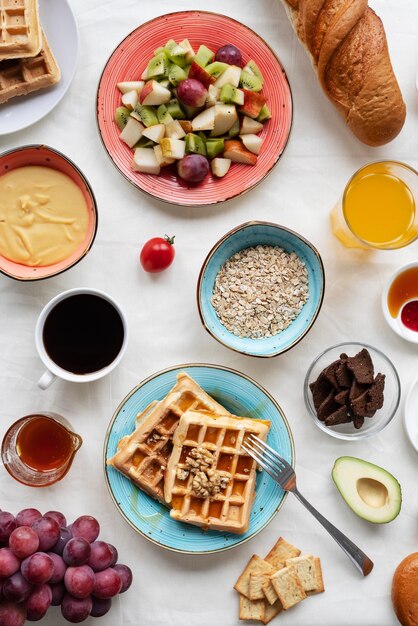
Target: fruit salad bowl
x=128, y=63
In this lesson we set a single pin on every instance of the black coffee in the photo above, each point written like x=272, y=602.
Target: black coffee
x=83, y=333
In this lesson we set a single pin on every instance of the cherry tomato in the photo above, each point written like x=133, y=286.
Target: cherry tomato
x=157, y=254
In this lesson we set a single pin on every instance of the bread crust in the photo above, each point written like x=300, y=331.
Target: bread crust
x=405, y=591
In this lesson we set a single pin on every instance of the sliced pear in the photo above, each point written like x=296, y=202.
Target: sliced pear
x=145, y=161
x=369, y=490
x=174, y=130
x=213, y=96
x=162, y=161
x=127, y=86
x=153, y=94
x=173, y=148
x=230, y=76
x=250, y=126
x=132, y=132
x=155, y=133
x=220, y=167
x=235, y=151
x=253, y=143
x=225, y=117
x=205, y=120
x=130, y=99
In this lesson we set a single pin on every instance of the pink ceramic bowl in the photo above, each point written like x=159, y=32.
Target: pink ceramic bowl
x=38, y=154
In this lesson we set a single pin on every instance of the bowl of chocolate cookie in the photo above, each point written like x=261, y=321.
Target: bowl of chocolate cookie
x=352, y=391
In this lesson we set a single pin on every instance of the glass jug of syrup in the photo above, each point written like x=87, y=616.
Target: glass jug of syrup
x=38, y=449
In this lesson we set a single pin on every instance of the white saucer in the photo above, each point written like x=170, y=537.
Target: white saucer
x=60, y=27
x=411, y=414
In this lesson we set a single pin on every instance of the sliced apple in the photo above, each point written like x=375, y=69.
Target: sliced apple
x=235, y=151
x=230, y=76
x=130, y=99
x=190, y=53
x=145, y=161
x=250, y=126
x=253, y=143
x=154, y=94
x=186, y=126
x=197, y=72
x=132, y=132
x=144, y=74
x=162, y=160
x=205, y=120
x=155, y=133
x=253, y=103
x=174, y=130
x=131, y=86
x=173, y=148
x=220, y=167
x=225, y=117
x=213, y=96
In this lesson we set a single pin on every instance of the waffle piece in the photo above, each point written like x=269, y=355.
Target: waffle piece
x=210, y=480
x=18, y=77
x=20, y=30
x=143, y=456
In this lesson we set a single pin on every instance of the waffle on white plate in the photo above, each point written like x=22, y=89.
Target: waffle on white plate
x=18, y=77
x=210, y=480
x=143, y=456
x=20, y=30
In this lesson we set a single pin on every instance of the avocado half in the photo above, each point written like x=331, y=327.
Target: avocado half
x=369, y=490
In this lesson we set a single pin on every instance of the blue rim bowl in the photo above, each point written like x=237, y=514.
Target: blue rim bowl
x=248, y=235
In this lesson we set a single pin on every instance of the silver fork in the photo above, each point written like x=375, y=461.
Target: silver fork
x=285, y=476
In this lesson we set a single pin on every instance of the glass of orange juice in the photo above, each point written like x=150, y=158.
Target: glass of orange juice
x=378, y=207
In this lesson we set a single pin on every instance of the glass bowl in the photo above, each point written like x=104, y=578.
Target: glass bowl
x=392, y=391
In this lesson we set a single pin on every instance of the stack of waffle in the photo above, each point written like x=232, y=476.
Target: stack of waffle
x=26, y=61
x=186, y=452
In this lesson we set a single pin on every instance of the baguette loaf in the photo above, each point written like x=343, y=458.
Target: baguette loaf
x=347, y=44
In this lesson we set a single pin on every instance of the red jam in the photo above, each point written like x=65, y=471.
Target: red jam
x=409, y=315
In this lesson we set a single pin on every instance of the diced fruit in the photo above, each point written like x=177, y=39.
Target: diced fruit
x=214, y=147
x=235, y=151
x=213, y=96
x=250, y=126
x=158, y=51
x=230, y=76
x=131, y=86
x=186, y=126
x=252, y=68
x=174, y=130
x=200, y=74
x=234, y=130
x=195, y=144
x=162, y=161
x=191, y=112
x=173, y=148
x=144, y=142
x=176, y=74
x=144, y=75
x=155, y=133
x=145, y=161
x=175, y=110
x=154, y=94
x=229, y=54
x=264, y=114
x=250, y=81
x=192, y=92
x=205, y=120
x=121, y=118
x=232, y=94
x=130, y=99
x=225, y=117
x=253, y=143
x=204, y=56
x=175, y=53
x=163, y=115
x=147, y=115
x=193, y=168
x=253, y=103
x=216, y=69
x=190, y=53
x=158, y=66
x=132, y=132
x=220, y=167
x=165, y=83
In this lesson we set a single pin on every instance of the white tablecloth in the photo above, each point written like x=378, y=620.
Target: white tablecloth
x=165, y=330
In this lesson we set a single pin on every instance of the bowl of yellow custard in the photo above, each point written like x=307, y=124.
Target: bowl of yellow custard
x=48, y=213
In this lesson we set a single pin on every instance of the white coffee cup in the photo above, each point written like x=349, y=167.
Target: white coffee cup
x=55, y=371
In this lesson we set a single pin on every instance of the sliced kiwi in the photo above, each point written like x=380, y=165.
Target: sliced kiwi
x=234, y=130
x=216, y=69
x=176, y=53
x=195, y=144
x=158, y=51
x=144, y=142
x=214, y=147
x=264, y=114
x=158, y=66
x=204, y=56
x=230, y=94
x=250, y=81
x=163, y=115
x=175, y=110
x=176, y=74
x=121, y=117
x=147, y=114
x=253, y=68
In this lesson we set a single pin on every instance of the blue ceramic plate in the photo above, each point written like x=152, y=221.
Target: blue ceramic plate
x=241, y=396
x=245, y=236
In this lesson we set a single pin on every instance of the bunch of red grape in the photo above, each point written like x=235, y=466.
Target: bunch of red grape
x=44, y=562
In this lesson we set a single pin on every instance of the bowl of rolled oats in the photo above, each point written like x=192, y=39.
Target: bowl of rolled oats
x=260, y=289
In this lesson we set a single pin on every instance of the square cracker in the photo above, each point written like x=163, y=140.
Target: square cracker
x=255, y=565
x=270, y=593
x=288, y=587
x=271, y=611
x=280, y=552
x=308, y=568
x=249, y=610
x=255, y=585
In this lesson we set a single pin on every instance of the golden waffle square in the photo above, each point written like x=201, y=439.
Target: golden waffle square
x=210, y=480
x=18, y=77
x=20, y=30
x=143, y=456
